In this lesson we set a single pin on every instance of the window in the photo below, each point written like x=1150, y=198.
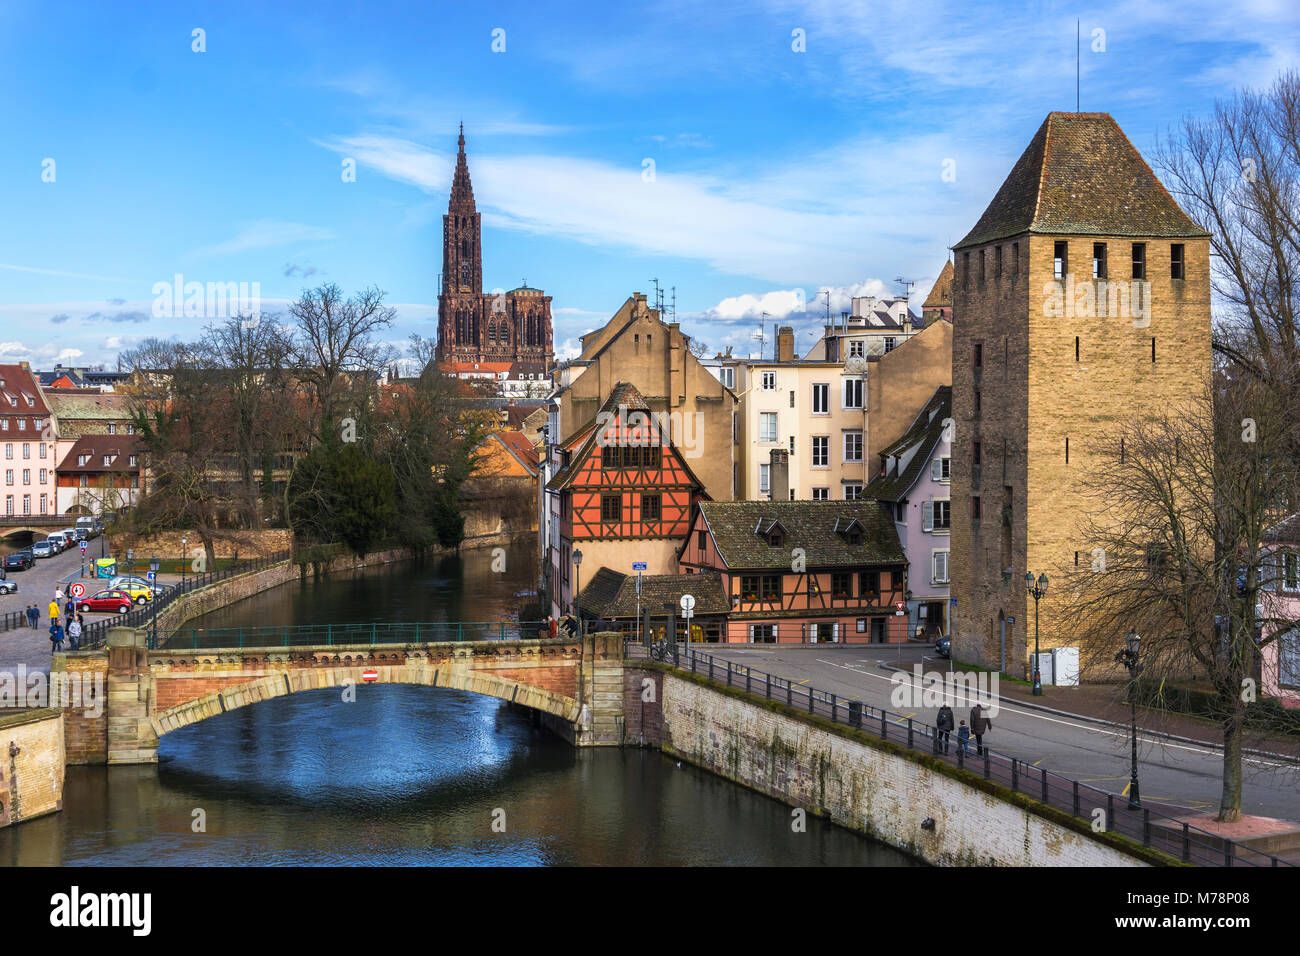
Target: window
x=1060, y=260
x=1289, y=572
x=769, y=381
x=609, y=457
x=821, y=399
x=27, y=504
x=9, y=476
x=821, y=494
x=27, y=476
x=108, y=460
x=760, y=587
x=1139, y=260
x=997, y=261
x=792, y=398
x=611, y=507
x=1067, y=449
x=764, y=478
x=977, y=357
x=792, y=444
x=22, y=424
x=81, y=460
x=1076, y=348
x=982, y=267
x=937, y=514
x=869, y=584
x=900, y=512
x=821, y=451
x=1176, y=261
x=133, y=461
x=1099, y=260
x=852, y=491
x=728, y=376
x=701, y=539
x=43, y=476
x=857, y=348
x=891, y=343
x=976, y=509
x=965, y=271
x=27, y=449
x=853, y=393
x=941, y=469
x=1153, y=351
x=853, y=446
x=762, y=633
x=978, y=401
x=1015, y=258
x=976, y=453
x=112, y=429
x=651, y=507
x=939, y=567
x=841, y=585
x=42, y=449
x=4, y=424
x=767, y=426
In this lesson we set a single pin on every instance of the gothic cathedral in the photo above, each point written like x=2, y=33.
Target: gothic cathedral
x=475, y=327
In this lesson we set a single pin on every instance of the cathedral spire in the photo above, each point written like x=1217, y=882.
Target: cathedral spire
x=462, y=193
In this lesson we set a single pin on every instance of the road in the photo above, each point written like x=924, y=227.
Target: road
x=1177, y=774
x=36, y=586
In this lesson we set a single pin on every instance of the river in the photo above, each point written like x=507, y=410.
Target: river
x=409, y=775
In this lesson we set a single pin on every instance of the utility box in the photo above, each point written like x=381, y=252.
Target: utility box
x=1065, y=666
x=1044, y=667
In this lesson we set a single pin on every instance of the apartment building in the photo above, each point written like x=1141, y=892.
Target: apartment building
x=28, y=444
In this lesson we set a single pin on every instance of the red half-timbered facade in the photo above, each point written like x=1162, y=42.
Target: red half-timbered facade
x=800, y=572
x=626, y=495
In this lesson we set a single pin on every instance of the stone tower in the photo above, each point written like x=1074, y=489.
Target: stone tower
x=497, y=329
x=1081, y=299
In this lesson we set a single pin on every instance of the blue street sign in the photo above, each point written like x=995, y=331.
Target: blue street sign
x=638, y=565
x=953, y=602
x=151, y=576
x=83, y=547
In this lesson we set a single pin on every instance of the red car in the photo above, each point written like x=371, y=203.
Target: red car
x=110, y=600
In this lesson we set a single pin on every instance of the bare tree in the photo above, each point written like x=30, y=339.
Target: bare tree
x=334, y=349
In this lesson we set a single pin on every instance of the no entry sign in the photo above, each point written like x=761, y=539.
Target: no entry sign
x=370, y=676
x=77, y=590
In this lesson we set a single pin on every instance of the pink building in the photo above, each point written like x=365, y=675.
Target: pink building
x=27, y=444
x=1280, y=665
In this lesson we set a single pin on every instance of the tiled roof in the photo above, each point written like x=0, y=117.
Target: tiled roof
x=87, y=405
x=20, y=385
x=120, y=448
x=1080, y=175
x=913, y=449
x=941, y=292
x=517, y=444
x=613, y=594
x=809, y=525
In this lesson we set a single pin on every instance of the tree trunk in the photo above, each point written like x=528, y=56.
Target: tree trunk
x=1230, y=802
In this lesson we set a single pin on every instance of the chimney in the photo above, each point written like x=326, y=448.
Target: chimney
x=779, y=480
x=785, y=344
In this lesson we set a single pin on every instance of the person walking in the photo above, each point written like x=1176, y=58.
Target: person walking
x=74, y=634
x=963, y=738
x=58, y=593
x=979, y=726
x=54, y=612
x=944, y=722
x=56, y=635
x=34, y=616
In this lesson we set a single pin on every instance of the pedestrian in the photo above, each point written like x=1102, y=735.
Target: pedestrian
x=56, y=635
x=58, y=593
x=979, y=726
x=34, y=616
x=70, y=609
x=944, y=723
x=54, y=612
x=963, y=738
x=74, y=634
x=553, y=626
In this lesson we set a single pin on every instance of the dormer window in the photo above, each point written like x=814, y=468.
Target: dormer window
x=850, y=529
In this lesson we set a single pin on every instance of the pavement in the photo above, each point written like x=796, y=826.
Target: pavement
x=1079, y=732
x=36, y=586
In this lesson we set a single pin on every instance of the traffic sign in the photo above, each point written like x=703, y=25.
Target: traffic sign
x=83, y=547
x=688, y=603
x=77, y=590
x=638, y=565
x=900, y=606
x=370, y=676
x=151, y=576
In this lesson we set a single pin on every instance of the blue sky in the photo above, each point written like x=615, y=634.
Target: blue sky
x=774, y=170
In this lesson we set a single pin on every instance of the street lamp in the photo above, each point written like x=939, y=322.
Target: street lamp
x=577, y=588
x=1036, y=590
x=153, y=566
x=1129, y=658
x=184, y=549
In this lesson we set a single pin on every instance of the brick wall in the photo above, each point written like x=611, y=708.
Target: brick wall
x=642, y=706
x=31, y=765
x=85, y=734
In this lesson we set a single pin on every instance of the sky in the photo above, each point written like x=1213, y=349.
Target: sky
x=749, y=156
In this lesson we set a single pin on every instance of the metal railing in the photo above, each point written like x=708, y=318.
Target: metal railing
x=309, y=635
x=94, y=634
x=1151, y=827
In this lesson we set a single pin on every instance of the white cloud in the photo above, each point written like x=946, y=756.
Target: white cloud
x=264, y=234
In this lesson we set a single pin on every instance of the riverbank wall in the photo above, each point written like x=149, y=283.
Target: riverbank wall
x=928, y=809
x=31, y=765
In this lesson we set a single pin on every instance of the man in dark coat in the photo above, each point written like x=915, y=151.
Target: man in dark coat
x=979, y=726
x=944, y=722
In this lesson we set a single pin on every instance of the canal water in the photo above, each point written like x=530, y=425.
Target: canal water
x=410, y=775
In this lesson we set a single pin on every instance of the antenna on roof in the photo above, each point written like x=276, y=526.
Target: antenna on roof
x=672, y=309
x=659, y=298
x=907, y=286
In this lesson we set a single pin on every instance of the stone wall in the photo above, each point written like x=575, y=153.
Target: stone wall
x=873, y=787
x=85, y=729
x=31, y=765
x=247, y=544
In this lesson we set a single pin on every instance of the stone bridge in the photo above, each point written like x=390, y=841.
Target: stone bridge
x=576, y=685
x=39, y=525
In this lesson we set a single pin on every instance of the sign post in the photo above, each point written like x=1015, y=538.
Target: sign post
x=688, y=612
x=638, y=567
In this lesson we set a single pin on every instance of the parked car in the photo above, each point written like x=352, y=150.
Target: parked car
x=128, y=581
x=92, y=526
x=58, y=541
x=943, y=647
x=8, y=587
x=42, y=549
x=140, y=591
x=110, y=599
x=19, y=561
x=69, y=535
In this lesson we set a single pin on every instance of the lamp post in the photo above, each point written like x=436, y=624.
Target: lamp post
x=577, y=588
x=1036, y=591
x=1129, y=658
x=184, y=551
x=153, y=566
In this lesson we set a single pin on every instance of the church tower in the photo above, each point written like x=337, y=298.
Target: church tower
x=504, y=333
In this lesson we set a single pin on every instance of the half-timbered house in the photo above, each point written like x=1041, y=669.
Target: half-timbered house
x=803, y=571
x=625, y=495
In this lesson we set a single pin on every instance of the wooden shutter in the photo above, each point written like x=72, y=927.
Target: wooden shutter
x=927, y=515
x=936, y=469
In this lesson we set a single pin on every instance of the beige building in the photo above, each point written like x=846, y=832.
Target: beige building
x=1081, y=299
x=831, y=419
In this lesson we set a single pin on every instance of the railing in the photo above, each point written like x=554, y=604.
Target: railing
x=307, y=635
x=94, y=635
x=1150, y=827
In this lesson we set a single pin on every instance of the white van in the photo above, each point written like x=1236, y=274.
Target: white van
x=90, y=525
